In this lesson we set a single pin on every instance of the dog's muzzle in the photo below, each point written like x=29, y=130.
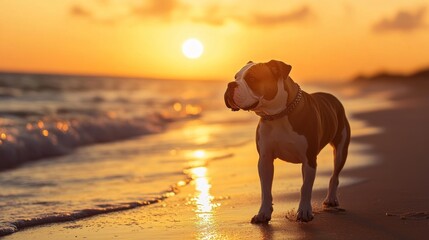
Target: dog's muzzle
x=229, y=96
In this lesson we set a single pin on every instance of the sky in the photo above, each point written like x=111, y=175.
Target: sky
x=322, y=40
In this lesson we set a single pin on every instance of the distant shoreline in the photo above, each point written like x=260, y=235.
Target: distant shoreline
x=421, y=74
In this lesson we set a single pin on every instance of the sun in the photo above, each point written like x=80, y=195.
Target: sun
x=192, y=48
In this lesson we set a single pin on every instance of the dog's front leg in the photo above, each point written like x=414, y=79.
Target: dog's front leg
x=266, y=173
x=305, y=213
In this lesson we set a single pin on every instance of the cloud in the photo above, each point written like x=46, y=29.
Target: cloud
x=163, y=9
x=176, y=10
x=106, y=11
x=403, y=21
x=217, y=16
x=212, y=15
x=88, y=14
x=301, y=14
x=79, y=11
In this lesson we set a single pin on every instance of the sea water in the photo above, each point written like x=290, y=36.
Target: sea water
x=72, y=147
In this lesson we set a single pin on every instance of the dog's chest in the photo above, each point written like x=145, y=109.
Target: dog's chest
x=279, y=139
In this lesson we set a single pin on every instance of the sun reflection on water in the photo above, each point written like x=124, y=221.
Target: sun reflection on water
x=63, y=126
x=187, y=109
x=204, y=204
x=199, y=154
x=40, y=124
x=45, y=132
x=202, y=185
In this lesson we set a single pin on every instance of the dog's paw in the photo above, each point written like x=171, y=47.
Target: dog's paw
x=260, y=219
x=263, y=217
x=304, y=214
x=330, y=202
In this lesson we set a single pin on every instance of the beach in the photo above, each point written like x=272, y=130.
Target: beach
x=148, y=119
x=383, y=188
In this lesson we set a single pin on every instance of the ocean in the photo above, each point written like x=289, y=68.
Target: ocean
x=73, y=147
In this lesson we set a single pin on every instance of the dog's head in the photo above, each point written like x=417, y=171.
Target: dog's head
x=261, y=87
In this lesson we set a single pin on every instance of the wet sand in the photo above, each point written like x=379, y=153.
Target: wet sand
x=224, y=195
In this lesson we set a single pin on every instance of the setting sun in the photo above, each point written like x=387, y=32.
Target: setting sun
x=192, y=48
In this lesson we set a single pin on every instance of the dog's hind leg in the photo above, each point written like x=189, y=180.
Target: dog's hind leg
x=340, y=145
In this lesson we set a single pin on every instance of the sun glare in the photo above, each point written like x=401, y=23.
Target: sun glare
x=192, y=48
x=200, y=154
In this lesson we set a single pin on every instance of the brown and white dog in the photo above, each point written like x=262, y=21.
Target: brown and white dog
x=294, y=127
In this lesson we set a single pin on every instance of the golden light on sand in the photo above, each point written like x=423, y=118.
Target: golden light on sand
x=192, y=48
x=201, y=135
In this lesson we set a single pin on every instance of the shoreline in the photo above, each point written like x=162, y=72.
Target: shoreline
x=224, y=195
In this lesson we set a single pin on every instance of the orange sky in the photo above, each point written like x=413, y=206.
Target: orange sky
x=322, y=41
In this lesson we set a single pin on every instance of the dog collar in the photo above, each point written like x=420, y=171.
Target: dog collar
x=289, y=108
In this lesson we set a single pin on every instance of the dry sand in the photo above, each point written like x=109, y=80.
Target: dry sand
x=219, y=203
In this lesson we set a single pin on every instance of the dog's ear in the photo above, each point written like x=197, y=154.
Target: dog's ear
x=279, y=68
x=250, y=62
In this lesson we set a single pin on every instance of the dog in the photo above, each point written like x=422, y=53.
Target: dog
x=294, y=126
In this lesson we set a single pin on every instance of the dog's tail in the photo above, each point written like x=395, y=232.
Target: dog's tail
x=341, y=145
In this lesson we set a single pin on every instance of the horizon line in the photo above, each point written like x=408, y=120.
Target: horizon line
x=95, y=75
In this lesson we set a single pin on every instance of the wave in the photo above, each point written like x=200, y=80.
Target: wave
x=9, y=227
x=60, y=83
x=50, y=138
x=12, y=227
